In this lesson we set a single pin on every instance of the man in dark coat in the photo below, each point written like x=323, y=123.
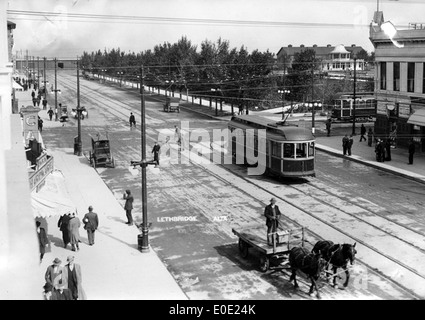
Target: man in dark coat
x=43, y=241
x=411, y=151
x=328, y=126
x=63, y=226
x=272, y=214
x=132, y=120
x=362, y=133
x=128, y=206
x=155, y=151
x=345, y=144
x=388, y=150
x=91, y=222
x=350, y=144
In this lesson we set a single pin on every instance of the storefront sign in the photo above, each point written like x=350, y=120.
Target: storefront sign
x=404, y=110
x=38, y=177
x=381, y=108
x=30, y=116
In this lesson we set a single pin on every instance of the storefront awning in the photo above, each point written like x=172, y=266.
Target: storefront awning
x=52, y=199
x=418, y=118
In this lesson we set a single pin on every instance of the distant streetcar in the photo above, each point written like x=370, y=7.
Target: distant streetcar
x=365, y=108
x=290, y=150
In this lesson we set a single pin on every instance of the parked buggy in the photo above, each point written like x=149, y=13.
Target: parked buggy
x=100, y=155
x=83, y=114
x=172, y=104
x=63, y=114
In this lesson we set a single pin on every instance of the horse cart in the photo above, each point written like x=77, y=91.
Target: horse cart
x=172, y=104
x=100, y=155
x=275, y=256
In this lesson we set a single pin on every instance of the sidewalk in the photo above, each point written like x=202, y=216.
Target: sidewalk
x=113, y=268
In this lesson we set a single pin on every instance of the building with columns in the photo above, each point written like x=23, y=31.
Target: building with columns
x=399, y=81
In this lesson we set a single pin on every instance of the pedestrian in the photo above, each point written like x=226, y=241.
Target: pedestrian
x=50, y=113
x=44, y=104
x=48, y=291
x=63, y=226
x=38, y=100
x=132, y=120
x=91, y=223
x=43, y=241
x=155, y=151
x=33, y=94
x=61, y=293
x=128, y=206
x=73, y=279
x=40, y=124
x=34, y=102
x=411, y=151
x=54, y=274
x=272, y=214
x=328, y=127
x=345, y=144
x=388, y=149
x=74, y=233
x=240, y=109
x=350, y=144
x=362, y=133
x=369, y=137
x=378, y=150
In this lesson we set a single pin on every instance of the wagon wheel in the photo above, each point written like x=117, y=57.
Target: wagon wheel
x=243, y=248
x=264, y=264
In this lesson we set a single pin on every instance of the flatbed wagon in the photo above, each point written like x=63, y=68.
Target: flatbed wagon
x=275, y=256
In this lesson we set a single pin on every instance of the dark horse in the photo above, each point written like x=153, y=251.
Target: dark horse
x=311, y=264
x=336, y=255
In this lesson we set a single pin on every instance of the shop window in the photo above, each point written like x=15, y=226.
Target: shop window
x=383, y=76
x=410, y=77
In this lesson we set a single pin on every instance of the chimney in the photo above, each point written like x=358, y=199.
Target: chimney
x=353, y=45
x=314, y=45
x=328, y=46
x=289, y=45
x=302, y=46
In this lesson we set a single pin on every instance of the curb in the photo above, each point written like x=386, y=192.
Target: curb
x=368, y=163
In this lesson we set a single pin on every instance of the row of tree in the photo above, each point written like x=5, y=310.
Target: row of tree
x=217, y=70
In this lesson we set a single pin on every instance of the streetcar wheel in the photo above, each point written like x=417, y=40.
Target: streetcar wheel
x=264, y=264
x=243, y=248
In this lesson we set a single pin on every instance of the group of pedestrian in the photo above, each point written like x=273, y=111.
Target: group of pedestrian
x=69, y=224
x=64, y=283
x=347, y=144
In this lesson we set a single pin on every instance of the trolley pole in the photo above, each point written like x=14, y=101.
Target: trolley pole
x=354, y=99
x=56, y=90
x=44, y=78
x=313, y=112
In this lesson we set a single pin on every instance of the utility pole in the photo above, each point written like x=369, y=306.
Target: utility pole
x=79, y=143
x=313, y=112
x=145, y=230
x=354, y=99
x=38, y=73
x=56, y=90
x=44, y=78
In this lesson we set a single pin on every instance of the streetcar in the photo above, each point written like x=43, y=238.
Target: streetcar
x=365, y=108
x=289, y=149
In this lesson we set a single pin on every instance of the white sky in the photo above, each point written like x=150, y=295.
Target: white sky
x=339, y=22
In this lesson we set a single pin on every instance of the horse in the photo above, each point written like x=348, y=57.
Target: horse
x=310, y=263
x=337, y=256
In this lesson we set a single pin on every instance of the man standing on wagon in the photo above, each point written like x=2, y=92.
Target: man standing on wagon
x=272, y=214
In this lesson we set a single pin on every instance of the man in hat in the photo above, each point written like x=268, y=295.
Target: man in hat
x=63, y=226
x=73, y=279
x=272, y=214
x=54, y=274
x=91, y=222
x=74, y=233
x=128, y=206
x=43, y=241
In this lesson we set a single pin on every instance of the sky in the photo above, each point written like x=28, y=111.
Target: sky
x=67, y=28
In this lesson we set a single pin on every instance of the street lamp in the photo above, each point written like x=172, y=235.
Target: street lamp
x=313, y=106
x=283, y=92
x=144, y=245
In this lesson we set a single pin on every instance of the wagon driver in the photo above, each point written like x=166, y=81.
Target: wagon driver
x=272, y=214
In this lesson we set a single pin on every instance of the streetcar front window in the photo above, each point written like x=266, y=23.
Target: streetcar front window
x=301, y=150
x=311, y=149
x=288, y=150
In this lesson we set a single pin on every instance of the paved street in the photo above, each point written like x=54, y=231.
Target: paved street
x=200, y=253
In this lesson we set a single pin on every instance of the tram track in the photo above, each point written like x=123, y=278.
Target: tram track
x=116, y=110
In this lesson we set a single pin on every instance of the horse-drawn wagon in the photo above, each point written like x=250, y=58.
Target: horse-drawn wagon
x=172, y=104
x=101, y=155
x=275, y=256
